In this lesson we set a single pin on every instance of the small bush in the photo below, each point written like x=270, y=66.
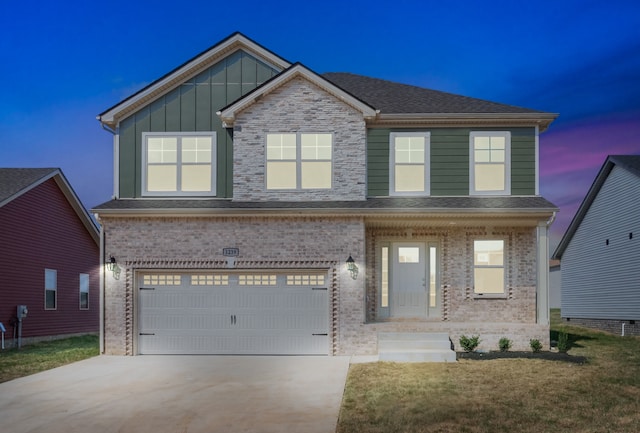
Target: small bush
x=535, y=344
x=504, y=344
x=469, y=344
x=563, y=342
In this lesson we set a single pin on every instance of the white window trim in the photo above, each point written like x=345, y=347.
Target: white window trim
x=427, y=163
x=51, y=289
x=178, y=193
x=86, y=278
x=299, y=161
x=507, y=162
x=482, y=295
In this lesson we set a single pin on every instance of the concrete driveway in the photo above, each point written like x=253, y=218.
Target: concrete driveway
x=174, y=394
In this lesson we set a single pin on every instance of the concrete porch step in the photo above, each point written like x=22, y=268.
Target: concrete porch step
x=415, y=347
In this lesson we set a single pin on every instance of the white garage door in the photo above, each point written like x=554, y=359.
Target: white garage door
x=233, y=313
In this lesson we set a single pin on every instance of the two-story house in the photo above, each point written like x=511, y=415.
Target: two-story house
x=262, y=208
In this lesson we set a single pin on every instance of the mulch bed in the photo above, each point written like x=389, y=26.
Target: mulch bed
x=548, y=356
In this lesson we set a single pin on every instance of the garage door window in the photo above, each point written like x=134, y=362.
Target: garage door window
x=305, y=280
x=162, y=280
x=209, y=280
x=257, y=280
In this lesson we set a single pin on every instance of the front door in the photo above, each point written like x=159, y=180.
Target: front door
x=414, y=282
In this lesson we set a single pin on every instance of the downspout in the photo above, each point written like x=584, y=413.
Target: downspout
x=623, y=329
x=102, y=286
x=116, y=156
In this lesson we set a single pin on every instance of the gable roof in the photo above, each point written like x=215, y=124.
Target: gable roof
x=236, y=41
x=630, y=163
x=15, y=182
x=396, y=101
x=228, y=113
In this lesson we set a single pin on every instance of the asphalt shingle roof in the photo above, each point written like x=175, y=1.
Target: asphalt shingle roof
x=14, y=180
x=391, y=97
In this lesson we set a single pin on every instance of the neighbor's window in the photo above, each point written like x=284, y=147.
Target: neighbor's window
x=84, y=291
x=299, y=161
x=490, y=163
x=488, y=267
x=409, y=163
x=50, y=289
x=179, y=164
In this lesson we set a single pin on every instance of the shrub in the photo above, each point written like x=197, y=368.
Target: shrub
x=469, y=344
x=563, y=342
x=535, y=344
x=504, y=344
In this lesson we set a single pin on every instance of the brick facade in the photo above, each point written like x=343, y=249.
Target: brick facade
x=631, y=327
x=183, y=243
x=299, y=106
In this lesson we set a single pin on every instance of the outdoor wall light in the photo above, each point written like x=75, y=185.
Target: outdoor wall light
x=352, y=267
x=112, y=265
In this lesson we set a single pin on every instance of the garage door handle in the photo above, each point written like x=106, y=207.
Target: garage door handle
x=147, y=333
x=233, y=319
x=324, y=335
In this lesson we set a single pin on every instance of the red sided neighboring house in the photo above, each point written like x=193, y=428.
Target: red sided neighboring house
x=49, y=257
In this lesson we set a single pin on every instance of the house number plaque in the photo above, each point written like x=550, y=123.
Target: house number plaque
x=231, y=252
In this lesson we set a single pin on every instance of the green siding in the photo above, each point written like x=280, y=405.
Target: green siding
x=192, y=106
x=450, y=160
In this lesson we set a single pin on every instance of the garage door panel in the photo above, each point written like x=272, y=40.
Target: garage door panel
x=262, y=313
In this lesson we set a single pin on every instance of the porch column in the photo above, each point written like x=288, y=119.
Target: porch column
x=542, y=294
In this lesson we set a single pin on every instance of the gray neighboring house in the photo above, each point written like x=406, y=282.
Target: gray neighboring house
x=600, y=252
x=555, y=281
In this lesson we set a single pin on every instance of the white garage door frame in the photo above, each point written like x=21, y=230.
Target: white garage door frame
x=240, y=311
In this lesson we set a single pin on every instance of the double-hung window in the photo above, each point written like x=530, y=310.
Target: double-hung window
x=488, y=267
x=490, y=170
x=84, y=291
x=409, y=163
x=50, y=289
x=298, y=161
x=179, y=164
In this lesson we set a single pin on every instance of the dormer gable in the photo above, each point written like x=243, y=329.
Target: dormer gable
x=228, y=114
x=235, y=42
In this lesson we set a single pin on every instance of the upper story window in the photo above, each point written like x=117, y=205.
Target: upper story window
x=490, y=168
x=299, y=161
x=179, y=164
x=409, y=163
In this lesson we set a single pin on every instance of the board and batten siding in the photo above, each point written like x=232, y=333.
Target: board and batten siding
x=450, y=160
x=600, y=280
x=192, y=106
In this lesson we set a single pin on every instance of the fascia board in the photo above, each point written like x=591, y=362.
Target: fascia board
x=191, y=68
x=228, y=113
x=542, y=120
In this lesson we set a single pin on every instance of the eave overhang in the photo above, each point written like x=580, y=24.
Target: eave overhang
x=191, y=68
x=541, y=120
x=228, y=114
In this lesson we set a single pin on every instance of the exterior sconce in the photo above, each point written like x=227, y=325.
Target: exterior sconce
x=112, y=265
x=352, y=267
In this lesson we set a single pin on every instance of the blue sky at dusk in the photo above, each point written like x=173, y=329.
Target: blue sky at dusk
x=64, y=62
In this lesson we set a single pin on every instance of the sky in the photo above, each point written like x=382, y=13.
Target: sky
x=64, y=62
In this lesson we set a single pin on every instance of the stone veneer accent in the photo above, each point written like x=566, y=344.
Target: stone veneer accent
x=299, y=106
x=182, y=243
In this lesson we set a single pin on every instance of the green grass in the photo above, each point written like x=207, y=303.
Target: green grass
x=38, y=357
x=503, y=395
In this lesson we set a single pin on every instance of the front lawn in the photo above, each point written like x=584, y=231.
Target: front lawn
x=502, y=395
x=38, y=357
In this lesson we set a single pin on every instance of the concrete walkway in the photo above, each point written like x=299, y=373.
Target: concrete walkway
x=182, y=394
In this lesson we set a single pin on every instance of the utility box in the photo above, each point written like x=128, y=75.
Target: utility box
x=22, y=312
